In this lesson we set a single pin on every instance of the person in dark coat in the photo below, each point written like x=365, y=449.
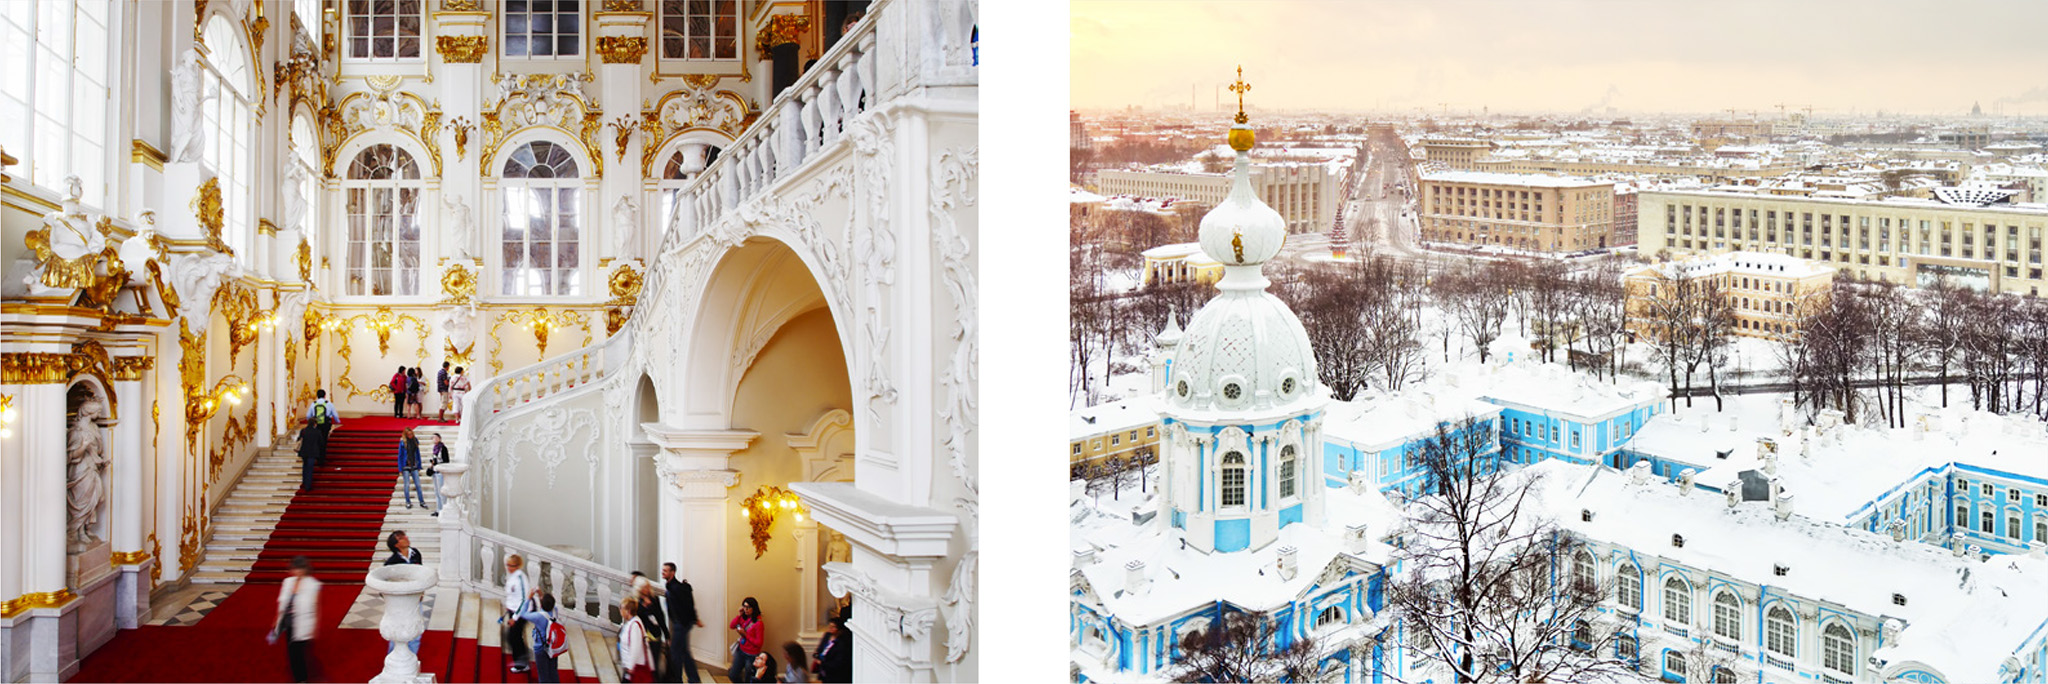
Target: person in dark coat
x=834, y=661
x=682, y=617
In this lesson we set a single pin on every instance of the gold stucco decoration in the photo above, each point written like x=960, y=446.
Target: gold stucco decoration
x=462, y=49
x=781, y=29
x=622, y=49
x=458, y=284
x=212, y=214
x=304, y=258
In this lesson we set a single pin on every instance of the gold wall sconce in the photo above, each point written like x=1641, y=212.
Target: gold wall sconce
x=7, y=415
x=229, y=390
x=761, y=508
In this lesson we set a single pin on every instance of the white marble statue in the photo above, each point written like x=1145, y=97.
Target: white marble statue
x=459, y=323
x=136, y=251
x=189, y=91
x=72, y=234
x=625, y=225
x=87, y=483
x=293, y=191
x=462, y=223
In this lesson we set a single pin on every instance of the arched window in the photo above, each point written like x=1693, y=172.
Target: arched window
x=1674, y=665
x=1582, y=635
x=1628, y=587
x=383, y=190
x=1582, y=571
x=1781, y=632
x=1287, y=478
x=54, y=70
x=230, y=128
x=1723, y=675
x=543, y=221
x=1233, y=479
x=682, y=167
x=1625, y=648
x=1333, y=615
x=1728, y=615
x=1838, y=649
x=305, y=146
x=1677, y=601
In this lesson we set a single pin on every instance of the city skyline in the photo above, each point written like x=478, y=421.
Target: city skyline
x=1580, y=56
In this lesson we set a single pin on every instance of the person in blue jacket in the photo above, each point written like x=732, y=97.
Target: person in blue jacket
x=409, y=467
x=541, y=619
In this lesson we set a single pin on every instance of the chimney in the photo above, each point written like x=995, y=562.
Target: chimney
x=1639, y=474
x=1135, y=580
x=2037, y=549
x=1287, y=569
x=1956, y=545
x=1084, y=557
x=1685, y=478
x=1892, y=627
x=1898, y=531
x=1706, y=422
x=1732, y=420
x=1355, y=538
x=1783, y=506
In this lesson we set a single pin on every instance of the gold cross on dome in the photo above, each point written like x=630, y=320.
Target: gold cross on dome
x=1240, y=87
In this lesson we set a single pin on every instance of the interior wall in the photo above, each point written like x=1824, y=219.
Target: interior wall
x=800, y=374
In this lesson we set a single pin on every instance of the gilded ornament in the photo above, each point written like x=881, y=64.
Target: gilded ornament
x=622, y=49
x=622, y=132
x=212, y=214
x=614, y=319
x=265, y=227
x=34, y=368
x=132, y=367
x=304, y=258
x=461, y=6
x=191, y=377
x=120, y=558
x=430, y=133
x=462, y=49
x=701, y=81
x=494, y=135
x=459, y=357
x=155, y=551
x=621, y=5
x=625, y=285
x=781, y=29
x=461, y=126
x=188, y=540
x=163, y=287
x=593, y=140
x=458, y=285
x=199, y=22
x=240, y=306
x=257, y=32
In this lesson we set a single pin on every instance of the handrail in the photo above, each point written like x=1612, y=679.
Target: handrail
x=804, y=118
x=583, y=367
x=584, y=591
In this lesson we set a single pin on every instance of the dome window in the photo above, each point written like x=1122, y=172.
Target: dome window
x=1183, y=389
x=1287, y=387
x=1231, y=391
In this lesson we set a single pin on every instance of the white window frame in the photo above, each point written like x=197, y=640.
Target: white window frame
x=1677, y=600
x=1225, y=488
x=506, y=16
x=401, y=275
x=349, y=14
x=739, y=39
x=1628, y=587
x=1289, y=472
x=50, y=92
x=1838, y=648
x=521, y=284
x=230, y=131
x=1727, y=614
x=1783, y=633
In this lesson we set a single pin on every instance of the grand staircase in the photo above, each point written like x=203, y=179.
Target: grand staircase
x=242, y=524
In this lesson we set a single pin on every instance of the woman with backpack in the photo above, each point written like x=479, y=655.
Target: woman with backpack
x=409, y=467
x=545, y=657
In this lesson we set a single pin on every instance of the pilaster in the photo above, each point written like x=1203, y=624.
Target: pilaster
x=695, y=469
x=622, y=48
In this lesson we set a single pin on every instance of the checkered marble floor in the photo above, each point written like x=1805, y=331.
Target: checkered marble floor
x=368, y=610
x=188, y=607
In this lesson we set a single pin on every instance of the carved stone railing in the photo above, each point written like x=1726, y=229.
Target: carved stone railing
x=585, y=592
x=808, y=116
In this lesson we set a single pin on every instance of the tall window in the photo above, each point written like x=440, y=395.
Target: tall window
x=53, y=91
x=543, y=219
x=383, y=223
x=700, y=29
x=1781, y=634
x=1628, y=587
x=1677, y=601
x=230, y=128
x=1838, y=649
x=1287, y=471
x=383, y=29
x=542, y=28
x=1728, y=616
x=1582, y=570
x=1723, y=675
x=1674, y=663
x=1233, y=479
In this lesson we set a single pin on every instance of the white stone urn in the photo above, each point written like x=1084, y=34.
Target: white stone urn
x=402, y=586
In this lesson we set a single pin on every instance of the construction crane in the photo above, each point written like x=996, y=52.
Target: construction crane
x=1781, y=109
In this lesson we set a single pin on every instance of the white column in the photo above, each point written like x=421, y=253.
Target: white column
x=693, y=518
x=124, y=527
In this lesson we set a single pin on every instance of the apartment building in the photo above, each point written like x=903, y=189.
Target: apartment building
x=1526, y=212
x=1462, y=154
x=1766, y=290
x=1304, y=194
x=1992, y=246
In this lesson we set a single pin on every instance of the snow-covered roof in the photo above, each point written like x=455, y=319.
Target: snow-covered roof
x=1387, y=422
x=1182, y=579
x=1078, y=196
x=1525, y=179
x=1191, y=251
x=1112, y=417
x=1963, y=616
x=1553, y=388
x=1845, y=468
x=1747, y=263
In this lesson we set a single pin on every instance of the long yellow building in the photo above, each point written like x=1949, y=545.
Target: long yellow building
x=1912, y=241
x=1526, y=212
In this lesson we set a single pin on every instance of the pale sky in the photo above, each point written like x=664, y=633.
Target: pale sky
x=1566, y=55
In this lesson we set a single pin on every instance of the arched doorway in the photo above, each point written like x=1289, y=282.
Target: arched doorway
x=763, y=400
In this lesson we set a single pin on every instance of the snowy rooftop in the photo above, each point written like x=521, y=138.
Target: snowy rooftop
x=1844, y=468
x=1077, y=195
x=1963, y=616
x=1390, y=421
x=1192, y=251
x=1524, y=179
x=1111, y=417
x=1749, y=263
x=1552, y=387
x=2032, y=209
x=1183, y=579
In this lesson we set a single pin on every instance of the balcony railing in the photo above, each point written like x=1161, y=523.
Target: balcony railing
x=585, y=592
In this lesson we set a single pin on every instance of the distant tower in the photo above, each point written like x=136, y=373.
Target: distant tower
x=1976, y=109
x=1243, y=410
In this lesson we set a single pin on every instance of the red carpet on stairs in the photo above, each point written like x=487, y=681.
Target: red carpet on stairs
x=336, y=525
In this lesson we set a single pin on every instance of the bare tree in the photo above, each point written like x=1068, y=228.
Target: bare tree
x=1709, y=332
x=1392, y=344
x=1490, y=590
x=1479, y=298
x=1599, y=303
x=1121, y=475
x=1246, y=647
x=1142, y=461
x=1944, y=325
x=1098, y=480
x=1326, y=298
x=1545, y=286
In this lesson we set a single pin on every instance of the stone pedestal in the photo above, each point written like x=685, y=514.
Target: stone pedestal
x=454, y=525
x=402, y=586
